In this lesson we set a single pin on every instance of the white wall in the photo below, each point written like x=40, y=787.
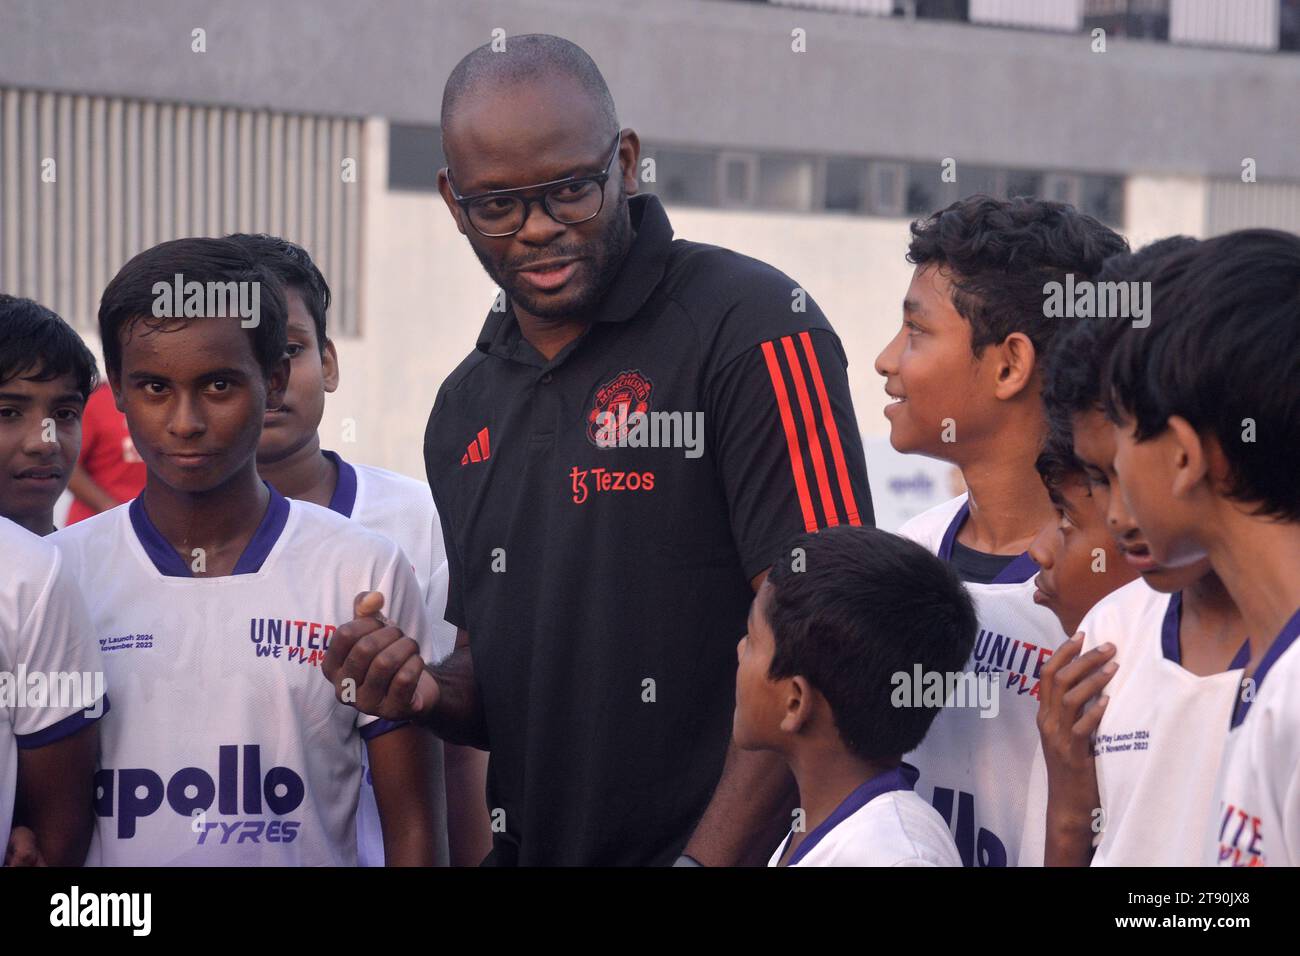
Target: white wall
x=1158, y=206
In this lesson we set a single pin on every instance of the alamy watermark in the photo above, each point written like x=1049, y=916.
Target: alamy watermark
x=618, y=428
x=179, y=299
x=59, y=690
x=1098, y=300
x=922, y=688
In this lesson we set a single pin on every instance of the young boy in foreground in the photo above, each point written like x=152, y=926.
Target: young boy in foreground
x=965, y=370
x=46, y=376
x=1207, y=425
x=214, y=598
x=291, y=460
x=846, y=618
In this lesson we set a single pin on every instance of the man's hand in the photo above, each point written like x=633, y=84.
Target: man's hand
x=376, y=668
x=1068, y=716
x=22, y=849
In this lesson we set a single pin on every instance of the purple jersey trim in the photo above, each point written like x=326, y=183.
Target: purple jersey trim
x=57, y=731
x=1285, y=638
x=902, y=777
x=1021, y=568
x=1171, y=627
x=377, y=728
x=344, y=498
x=170, y=564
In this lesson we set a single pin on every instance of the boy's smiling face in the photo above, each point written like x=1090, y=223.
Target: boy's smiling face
x=931, y=372
x=33, y=470
x=194, y=397
x=312, y=376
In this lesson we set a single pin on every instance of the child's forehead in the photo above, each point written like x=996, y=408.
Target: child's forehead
x=37, y=379
x=214, y=341
x=300, y=319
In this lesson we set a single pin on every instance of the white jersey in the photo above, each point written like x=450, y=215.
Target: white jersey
x=975, y=767
x=1258, y=819
x=402, y=510
x=51, y=676
x=881, y=823
x=226, y=745
x=1159, y=744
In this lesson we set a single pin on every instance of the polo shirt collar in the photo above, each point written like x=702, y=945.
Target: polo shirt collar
x=642, y=270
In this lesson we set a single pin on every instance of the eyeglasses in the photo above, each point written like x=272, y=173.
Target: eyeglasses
x=503, y=212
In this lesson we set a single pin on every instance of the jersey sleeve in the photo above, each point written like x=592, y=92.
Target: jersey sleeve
x=404, y=607
x=56, y=642
x=443, y=632
x=454, y=613
x=786, y=443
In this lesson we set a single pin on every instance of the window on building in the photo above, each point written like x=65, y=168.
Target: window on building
x=414, y=157
x=685, y=176
x=785, y=182
x=888, y=189
x=845, y=188
x=1139, y=19
x=739, y=172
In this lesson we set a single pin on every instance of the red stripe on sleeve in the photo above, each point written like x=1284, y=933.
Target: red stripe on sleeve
x=791, y=437
x=814, y=442
x=832, y=432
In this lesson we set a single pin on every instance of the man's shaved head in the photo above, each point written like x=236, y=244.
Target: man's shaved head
x=527, y=59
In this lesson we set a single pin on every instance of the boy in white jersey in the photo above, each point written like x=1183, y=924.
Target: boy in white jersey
x=1162, y=648
x=965, y=370
x=1207, y=453
x=291, y=460
x=214, y=598
x=49, y=731
x=845, y=619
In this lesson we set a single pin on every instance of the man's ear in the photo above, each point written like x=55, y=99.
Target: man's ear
x=629, y=158
x=1016, y=360
x=798, y=705
x=444, y=188
x=329, y=366
x=1191, y=456
x=277, y=382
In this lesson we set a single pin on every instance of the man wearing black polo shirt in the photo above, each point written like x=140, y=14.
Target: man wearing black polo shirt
x=643, y=425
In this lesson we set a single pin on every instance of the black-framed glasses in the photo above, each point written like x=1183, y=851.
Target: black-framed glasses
x=503, y=212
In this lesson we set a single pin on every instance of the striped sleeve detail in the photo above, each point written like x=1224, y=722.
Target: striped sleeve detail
x=817, y=433
x=832, y=432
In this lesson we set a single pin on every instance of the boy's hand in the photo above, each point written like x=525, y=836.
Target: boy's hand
x=22, y=849
x=1067, y=718
x=376, y=668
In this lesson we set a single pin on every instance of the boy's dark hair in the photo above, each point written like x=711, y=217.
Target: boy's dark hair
x=296, y=270
x=129, y=297
x=1072, y=379
x=35, y=339
x=1002, y=252
x=867, y=605
x=1223, y=352
x=1056, y=463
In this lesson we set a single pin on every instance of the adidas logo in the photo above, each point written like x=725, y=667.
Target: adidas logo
x=478, y=450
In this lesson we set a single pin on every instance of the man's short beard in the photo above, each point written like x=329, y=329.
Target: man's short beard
x=607, y=252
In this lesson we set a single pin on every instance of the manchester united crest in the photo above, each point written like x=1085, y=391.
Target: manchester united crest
x=615, y=402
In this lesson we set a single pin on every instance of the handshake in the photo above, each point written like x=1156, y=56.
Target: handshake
x=376, y=668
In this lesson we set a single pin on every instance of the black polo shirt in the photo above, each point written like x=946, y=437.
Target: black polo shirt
x=604, y=582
